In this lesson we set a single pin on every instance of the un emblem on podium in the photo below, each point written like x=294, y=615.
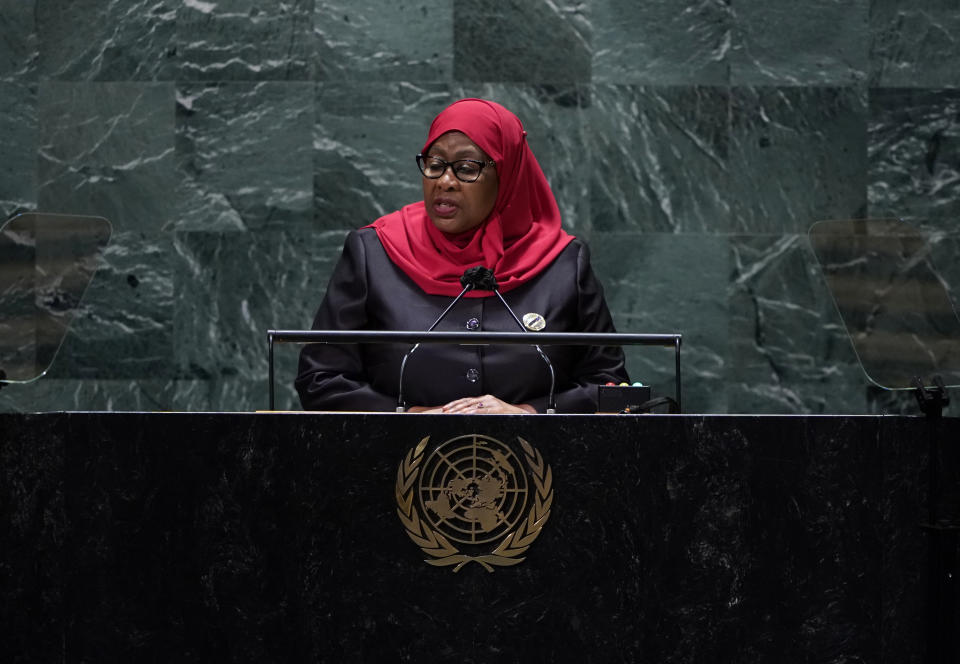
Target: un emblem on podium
x=473, y=499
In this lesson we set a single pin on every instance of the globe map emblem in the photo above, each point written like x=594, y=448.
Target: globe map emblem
x=473, y=489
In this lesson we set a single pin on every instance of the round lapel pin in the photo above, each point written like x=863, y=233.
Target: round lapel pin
x=534, y=322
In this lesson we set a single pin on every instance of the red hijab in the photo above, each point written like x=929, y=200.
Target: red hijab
x=520, y=237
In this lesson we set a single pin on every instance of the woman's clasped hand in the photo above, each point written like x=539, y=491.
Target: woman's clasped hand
x=482, y=405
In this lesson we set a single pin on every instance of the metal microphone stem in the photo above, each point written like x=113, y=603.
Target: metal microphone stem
x=401, y=407
x=551, y=406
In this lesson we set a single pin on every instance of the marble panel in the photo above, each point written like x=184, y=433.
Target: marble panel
x=914, y=44
x=231, y=288
x=659, y=159
x=19, y=138
x=120, y=40
x=663, y=42
x=217, y=393
x=18, y=41
x=244, y=40
x=243, y=153
x=946, y=248
x=107, y=149
x=65, y=394
x=365, y=140
x=651, y=289
x=530, y=41
x=384, y=40
x=819, y=42
x=240, y=394
x=123, y=328
x=789, y=351
x=678, y=157
x=914, y=148
x=797, y=156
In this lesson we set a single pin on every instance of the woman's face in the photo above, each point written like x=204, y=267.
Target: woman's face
x=454, y=206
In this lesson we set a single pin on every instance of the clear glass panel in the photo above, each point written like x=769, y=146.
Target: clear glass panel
x=894, y=303
x=46, y=263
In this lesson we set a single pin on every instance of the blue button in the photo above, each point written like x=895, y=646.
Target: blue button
x=473, y=324
x=473, y=375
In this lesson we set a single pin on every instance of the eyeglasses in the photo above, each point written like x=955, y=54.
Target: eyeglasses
x=465, y=170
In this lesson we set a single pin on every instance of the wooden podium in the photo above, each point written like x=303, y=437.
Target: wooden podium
x=275, y=537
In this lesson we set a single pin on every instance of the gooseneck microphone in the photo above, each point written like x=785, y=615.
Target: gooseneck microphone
x=551, y=405
x=480, y=278
x=471, y=279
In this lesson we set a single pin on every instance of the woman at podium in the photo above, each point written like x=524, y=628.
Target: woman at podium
x=486, y=203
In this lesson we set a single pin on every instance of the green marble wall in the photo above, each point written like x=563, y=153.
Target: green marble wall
x=232, y=144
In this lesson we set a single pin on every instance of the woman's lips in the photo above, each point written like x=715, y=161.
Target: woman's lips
x=443, y=207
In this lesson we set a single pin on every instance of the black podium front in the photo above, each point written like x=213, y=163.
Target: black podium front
x=276, y=538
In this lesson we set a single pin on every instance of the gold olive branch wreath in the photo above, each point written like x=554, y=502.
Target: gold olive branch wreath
x=437, y=546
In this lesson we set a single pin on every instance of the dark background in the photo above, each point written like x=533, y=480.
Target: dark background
x=692, y=144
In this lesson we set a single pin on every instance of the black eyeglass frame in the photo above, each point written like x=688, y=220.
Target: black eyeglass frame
x=421, y=158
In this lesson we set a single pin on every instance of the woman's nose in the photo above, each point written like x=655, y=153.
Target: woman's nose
x=448, y=180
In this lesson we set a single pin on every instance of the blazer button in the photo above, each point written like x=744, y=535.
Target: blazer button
x=473, y=375
x=473, y=324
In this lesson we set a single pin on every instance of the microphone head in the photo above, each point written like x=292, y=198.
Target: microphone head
x=480, y=278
